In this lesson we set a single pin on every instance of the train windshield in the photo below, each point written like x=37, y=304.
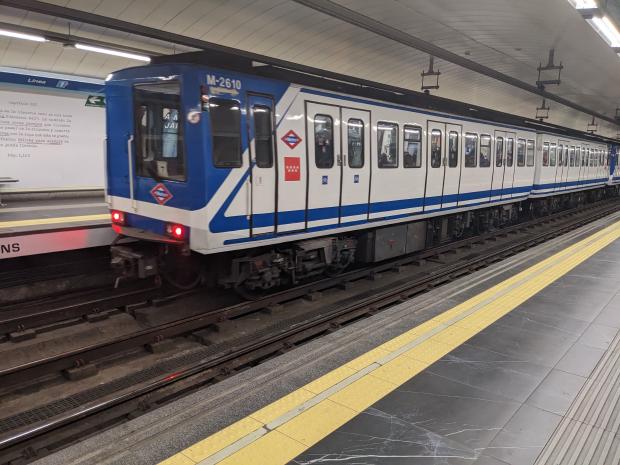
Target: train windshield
x=159, y=136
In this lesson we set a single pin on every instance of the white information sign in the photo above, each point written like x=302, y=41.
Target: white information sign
x=50, y=141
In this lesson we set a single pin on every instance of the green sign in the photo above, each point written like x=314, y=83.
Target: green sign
x=95, y=101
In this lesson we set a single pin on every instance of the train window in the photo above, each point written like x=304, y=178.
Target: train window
x=530, y=153
x=560, y=149
x=471, y=147
x=263, y=135
x=355, y=143
x=387, y=142
x=412, y=153
x=453, y=149
x=225, y=117
x=510, y=150
x=566, y=155
x=520, y=152
x=160, y=151
x=323, y=141
x=552, y=155
x=571, y=156
x=499, y=151
x=436, y=136
x=545, y=154
x=485, y=151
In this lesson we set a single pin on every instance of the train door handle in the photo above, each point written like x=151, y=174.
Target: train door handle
x=445, y=161
x=339, y=159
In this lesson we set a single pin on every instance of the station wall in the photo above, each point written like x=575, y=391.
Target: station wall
x=52, y=131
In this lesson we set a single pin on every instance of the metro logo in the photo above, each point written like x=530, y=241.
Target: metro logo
x=291, y=139
x=161, y=193
x=292, y=169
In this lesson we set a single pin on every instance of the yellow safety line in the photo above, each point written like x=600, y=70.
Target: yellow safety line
x=285, y=428
x=60, y=219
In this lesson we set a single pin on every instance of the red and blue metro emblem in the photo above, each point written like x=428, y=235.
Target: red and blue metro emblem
x=291, y=139
x=161, y=194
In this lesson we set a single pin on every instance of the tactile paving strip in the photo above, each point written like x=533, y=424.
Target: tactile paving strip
x=588, y=433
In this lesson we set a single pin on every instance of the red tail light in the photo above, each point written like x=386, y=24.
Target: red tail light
x=117, y=217
x=178, y=231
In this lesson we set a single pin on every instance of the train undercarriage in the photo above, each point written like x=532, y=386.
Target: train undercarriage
x=288, y=264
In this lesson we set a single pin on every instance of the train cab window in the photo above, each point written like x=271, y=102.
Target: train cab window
x=471, y=149
x=436, y=136
x=552, y=155
x=545, y=154
x=453, y=149
x=571, y=156
x=412, y=147
x=485, y=151
x=560, y=150
x=160, y=151
x=387, y=143
x=499, y=151
x=521, y=152
x=530, y=153
x=225, y=116
x=355, y=143
x=510, y=150
x=323, y=141
x=263, y=135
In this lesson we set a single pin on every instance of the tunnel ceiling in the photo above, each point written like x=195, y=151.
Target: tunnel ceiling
x=510, y=36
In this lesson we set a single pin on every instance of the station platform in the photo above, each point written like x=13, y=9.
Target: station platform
x=518, y=363
x=30, y=226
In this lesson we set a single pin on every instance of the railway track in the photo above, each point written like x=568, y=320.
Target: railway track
x=229, y=338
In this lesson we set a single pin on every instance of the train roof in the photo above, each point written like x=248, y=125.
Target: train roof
x=274, y=68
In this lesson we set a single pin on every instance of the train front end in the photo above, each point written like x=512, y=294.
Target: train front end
x=155, y=167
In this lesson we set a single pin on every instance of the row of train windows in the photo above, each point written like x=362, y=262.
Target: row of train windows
x=564, y=155
x=388, y=150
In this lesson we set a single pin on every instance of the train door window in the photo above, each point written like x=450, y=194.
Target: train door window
x=577, y=156
x=355, y=143
x=521, y=152
x=412, y=147
x=485, y=151
x=566, y=155
x=545, y=154
x=471, y=149
x=160, y=152
x=510, y=150
x=453, y=149
x=323, y=141
x=387, y=142
x=225, y=117
x=530, y=153
x=436, y=137
x=499, y=151
x=552, y=155
x=560, y=149
x=571, y=156
x=263, y=135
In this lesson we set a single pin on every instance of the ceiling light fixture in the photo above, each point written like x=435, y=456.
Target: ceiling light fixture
x=606, y=29
x=109, y=51
x=583, y=4
x=21, y=35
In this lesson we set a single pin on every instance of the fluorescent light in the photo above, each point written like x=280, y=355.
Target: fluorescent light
x=606, y=29
x=109, y=51
x=584, y=4
x=21, y=35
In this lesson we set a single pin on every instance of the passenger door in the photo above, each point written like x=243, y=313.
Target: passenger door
x=498, y=163
x=263, y=176
x=452, y=166
x=435, y=168
x=355, y=162
x=324, y=172
x=509, y=165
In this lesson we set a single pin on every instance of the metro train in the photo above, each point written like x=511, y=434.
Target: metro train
x=256, y=176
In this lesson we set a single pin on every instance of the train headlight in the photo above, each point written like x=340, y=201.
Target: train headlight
x=117, y=217
x=177, y=231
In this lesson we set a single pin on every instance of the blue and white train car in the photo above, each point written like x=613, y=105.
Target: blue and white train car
x=300, y=177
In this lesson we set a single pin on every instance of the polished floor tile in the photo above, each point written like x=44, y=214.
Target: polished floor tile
x=557, y=391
